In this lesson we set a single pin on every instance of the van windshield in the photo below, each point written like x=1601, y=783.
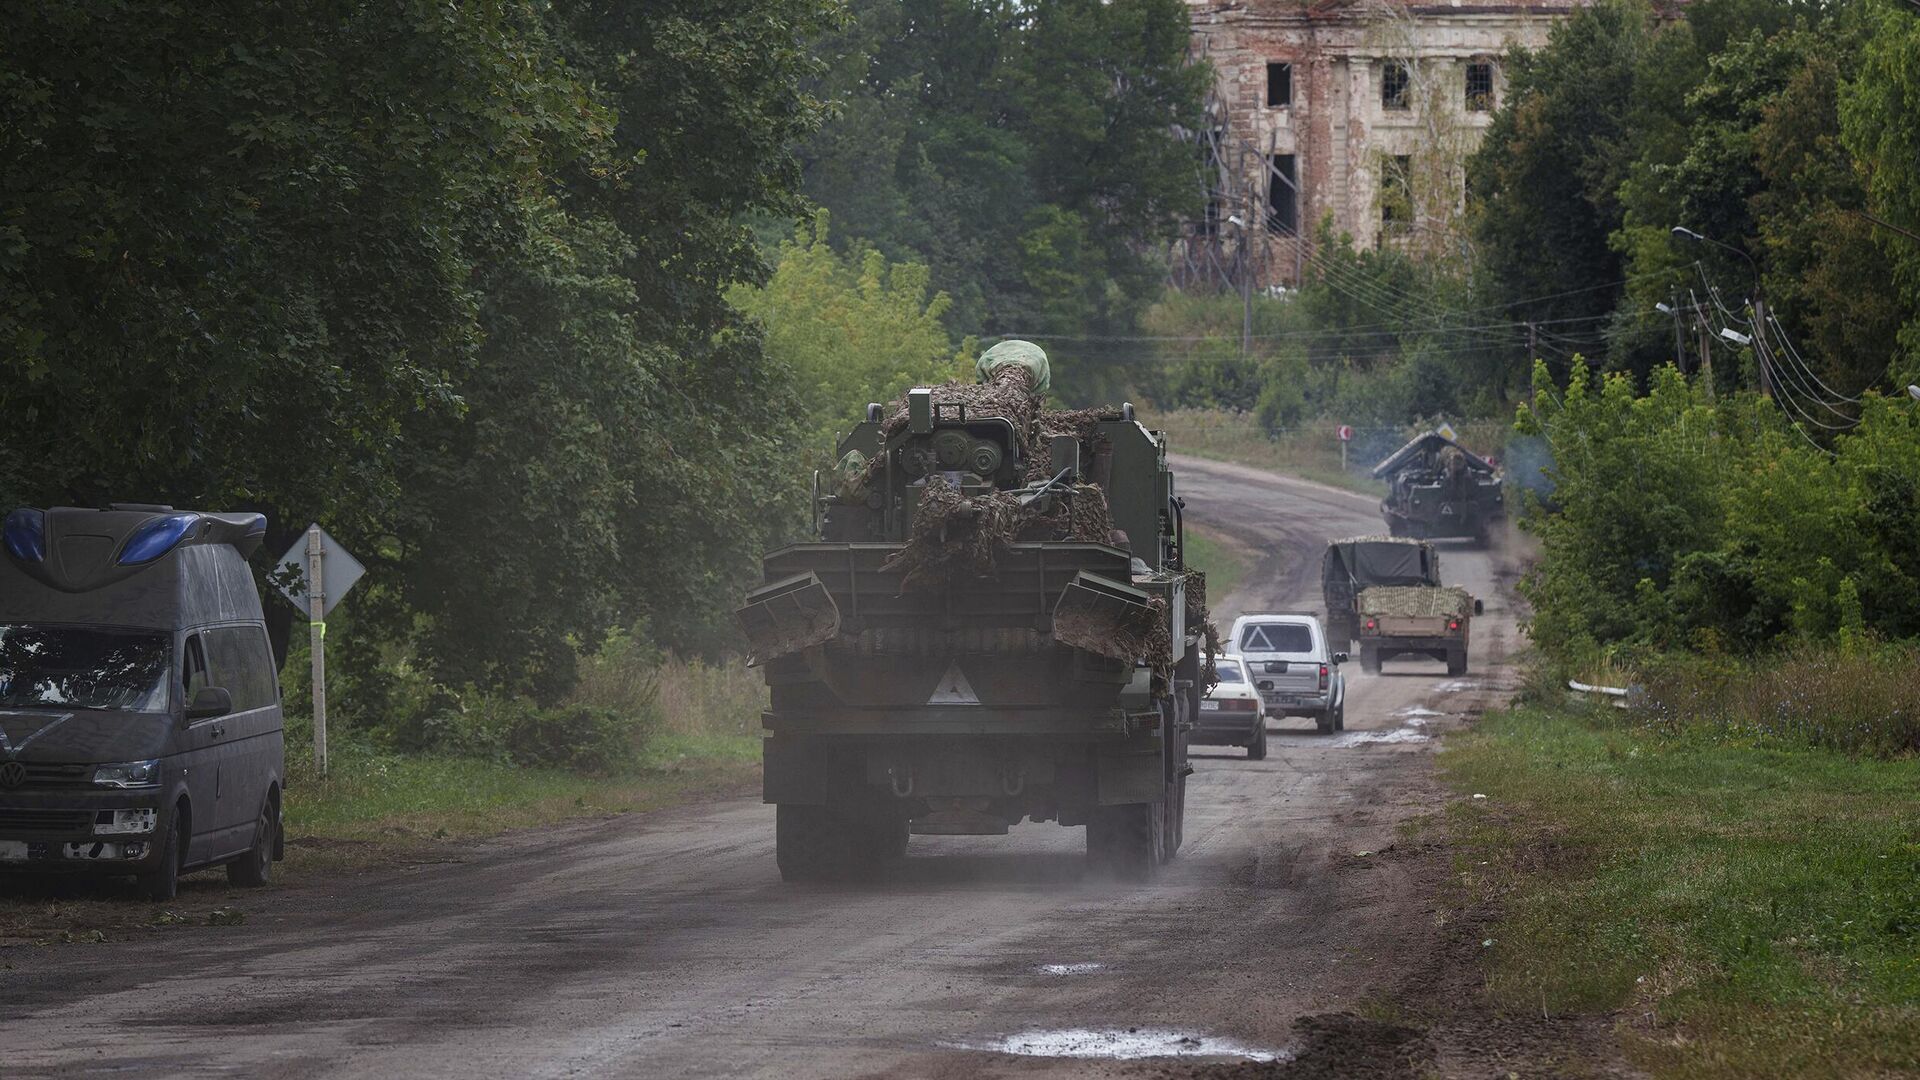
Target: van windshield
x=75, y=667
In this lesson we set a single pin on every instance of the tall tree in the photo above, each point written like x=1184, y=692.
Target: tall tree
x=1544, y=184
x=1880, y=114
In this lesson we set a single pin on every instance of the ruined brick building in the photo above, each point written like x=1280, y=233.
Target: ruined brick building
x=1362, y=111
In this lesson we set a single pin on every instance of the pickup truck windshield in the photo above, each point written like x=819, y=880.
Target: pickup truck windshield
x=1277, y=637
x=71, y=667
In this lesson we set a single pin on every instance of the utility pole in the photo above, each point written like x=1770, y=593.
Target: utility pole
x=1679, y=338
x=317, y=641
x=1706, y=346
x=1533, y=344
x=1246, y=276
x=1760, y=343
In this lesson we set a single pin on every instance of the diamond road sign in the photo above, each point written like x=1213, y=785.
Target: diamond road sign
x=339, y=565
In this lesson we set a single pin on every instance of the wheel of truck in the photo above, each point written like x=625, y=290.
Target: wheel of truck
x=1126, y=841
x=1370, y=659
x=1340, y=717
x=1257, y=749
x=1457, y=662
x=1326, y=723
x=811, y=843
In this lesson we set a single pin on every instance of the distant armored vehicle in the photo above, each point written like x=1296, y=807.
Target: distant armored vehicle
x=1385, y=594
x=995, y=625
x=140, y=725
x=1439, y=488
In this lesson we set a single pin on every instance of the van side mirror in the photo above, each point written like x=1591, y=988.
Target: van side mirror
x=1479, y=608
x=1339, y=658
x=210, y=702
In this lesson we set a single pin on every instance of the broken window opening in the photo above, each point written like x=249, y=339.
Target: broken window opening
x=1396, y=86
x=1283, y=195
x=1279, y=85
x=1396, y=195
x=1480, y=86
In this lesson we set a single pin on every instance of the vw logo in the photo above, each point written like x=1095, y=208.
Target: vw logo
x=12, y=774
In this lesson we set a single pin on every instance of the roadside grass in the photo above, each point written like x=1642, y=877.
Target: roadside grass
x=1225, y=563
x=696, y=726
x=1744, y=910
x=1311, y=454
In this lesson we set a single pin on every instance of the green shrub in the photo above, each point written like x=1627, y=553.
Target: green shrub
x=1861, y=699
x=516, y=731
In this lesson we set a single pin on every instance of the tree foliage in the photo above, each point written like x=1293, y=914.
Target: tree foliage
x=1680, y=523
x=1027, y=154
x=450, y=279
x=851, y=329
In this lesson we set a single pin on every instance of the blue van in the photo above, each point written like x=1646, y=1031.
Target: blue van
x=140, y=723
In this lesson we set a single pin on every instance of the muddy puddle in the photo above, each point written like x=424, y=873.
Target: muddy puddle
x=1118, y=1044
x=1409, y=734
x=1070, y=969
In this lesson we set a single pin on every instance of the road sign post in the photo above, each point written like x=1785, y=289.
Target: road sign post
x=1346, y=436
x=313, y=576
x=317, y=641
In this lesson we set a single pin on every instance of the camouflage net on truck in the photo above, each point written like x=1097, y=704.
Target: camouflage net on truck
x=1415, y=602
x=955, y=538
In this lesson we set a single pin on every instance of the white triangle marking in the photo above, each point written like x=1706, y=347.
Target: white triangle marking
x=954, y=689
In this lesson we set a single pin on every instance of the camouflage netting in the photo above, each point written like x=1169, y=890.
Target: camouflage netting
x=1142, y=634
x=1078, y=423
x=1010, y=392
x=1200, y=619
x=955, y=537
x=1081, y=517
x=1416, y=603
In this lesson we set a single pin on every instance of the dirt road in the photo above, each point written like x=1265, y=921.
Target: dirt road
x=667, y=946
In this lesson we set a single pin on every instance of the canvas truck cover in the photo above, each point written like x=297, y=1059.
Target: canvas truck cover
x=1021, y=353
x=1379, y=560
x=1430, y=443
x=1416, y=603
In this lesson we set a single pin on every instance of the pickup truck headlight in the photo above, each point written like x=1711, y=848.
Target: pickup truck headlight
x=132, y=774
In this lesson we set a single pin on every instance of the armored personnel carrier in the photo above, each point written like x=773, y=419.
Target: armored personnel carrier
x=994, y=626
x=1438, y=488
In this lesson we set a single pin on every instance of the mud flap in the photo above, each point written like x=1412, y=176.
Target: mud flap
x=1134, y=777
x=787, y=616
x=806, y=771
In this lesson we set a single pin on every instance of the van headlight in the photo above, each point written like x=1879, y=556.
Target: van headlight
x=131, y=774
x=117, y=822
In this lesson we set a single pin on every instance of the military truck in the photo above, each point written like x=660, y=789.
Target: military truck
x=1438, y=488
x=995, y=625
x=1384, y=594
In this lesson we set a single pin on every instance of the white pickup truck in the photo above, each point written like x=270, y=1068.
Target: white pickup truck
x=1288, y=658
